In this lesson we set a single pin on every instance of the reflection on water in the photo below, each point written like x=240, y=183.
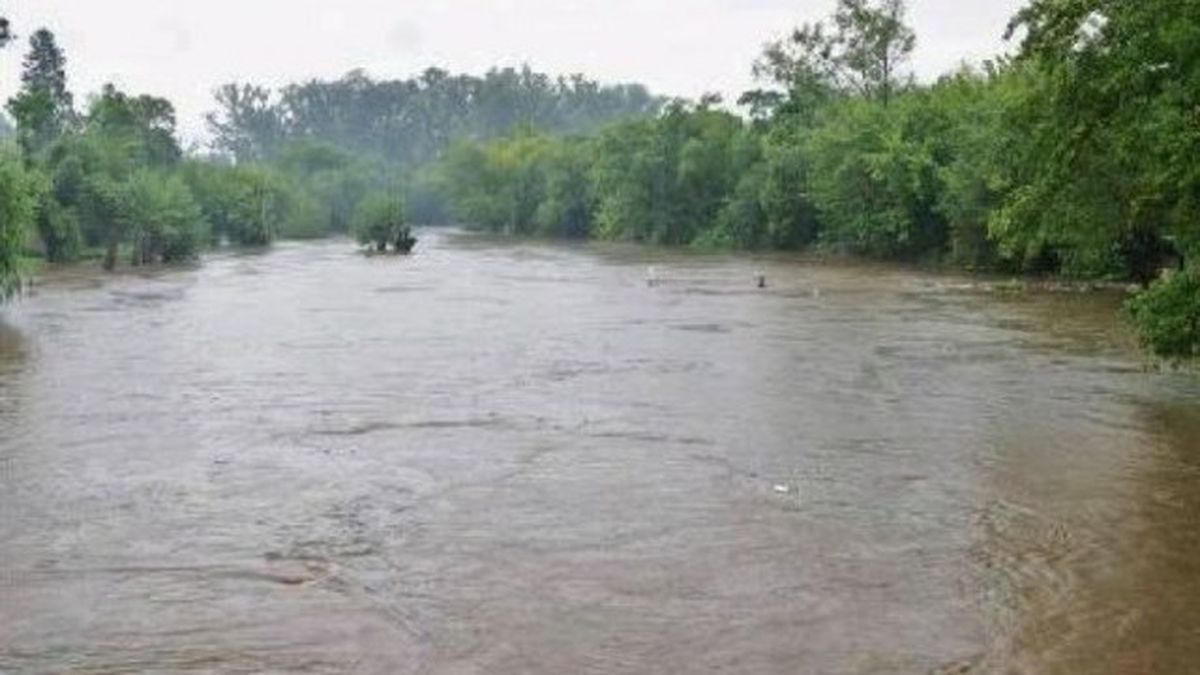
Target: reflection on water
x=12, y=357
x=513, y=458
x=11, y=344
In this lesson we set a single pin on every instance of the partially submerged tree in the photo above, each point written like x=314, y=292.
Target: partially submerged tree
x=166, y=224
x=380, y=224
x=1167, y=315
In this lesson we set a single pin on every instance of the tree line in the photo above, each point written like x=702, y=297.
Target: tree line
x=1072, y=157
x=110, y=180
x=410, y=122
x=1075, y=157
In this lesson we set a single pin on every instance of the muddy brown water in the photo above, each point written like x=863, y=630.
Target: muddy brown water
x=522, y=458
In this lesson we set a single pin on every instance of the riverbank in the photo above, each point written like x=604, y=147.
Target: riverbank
x=949, y=278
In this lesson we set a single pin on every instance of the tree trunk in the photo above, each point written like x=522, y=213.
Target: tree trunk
x=110, y=254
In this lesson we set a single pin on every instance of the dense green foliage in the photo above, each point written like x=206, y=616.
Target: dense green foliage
x=1076, y=157
x=332, y=145
x=1117, y=126
x=113, y=180
x=166, y=224
x=319, y=158
x=1168, y=315
x=17, y=204
x=845, y=153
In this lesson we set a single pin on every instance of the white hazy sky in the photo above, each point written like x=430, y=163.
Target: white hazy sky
x=183, y=49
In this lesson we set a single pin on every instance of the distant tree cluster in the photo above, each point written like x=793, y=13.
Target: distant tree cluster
x=413, y=121
x=111, y=181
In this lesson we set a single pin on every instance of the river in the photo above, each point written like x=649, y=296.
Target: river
x=499, y=457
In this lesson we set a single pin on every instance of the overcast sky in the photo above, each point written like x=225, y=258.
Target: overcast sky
x=183, y=49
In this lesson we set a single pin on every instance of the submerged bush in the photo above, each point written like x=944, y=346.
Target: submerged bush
x=380, y=223
x=1167, y=315
x=165, y=222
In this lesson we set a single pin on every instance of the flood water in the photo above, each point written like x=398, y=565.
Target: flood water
x=522, y=458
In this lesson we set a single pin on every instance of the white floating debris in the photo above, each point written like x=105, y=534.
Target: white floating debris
x=783, y=489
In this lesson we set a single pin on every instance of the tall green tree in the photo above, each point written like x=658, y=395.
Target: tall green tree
x=875, y=178
x=872, y=45
x=44, y=108
x=976, y=171
x=147, y=123
x=569, y=205
x=786, y=193
x=862, y=50
x=247, y=126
